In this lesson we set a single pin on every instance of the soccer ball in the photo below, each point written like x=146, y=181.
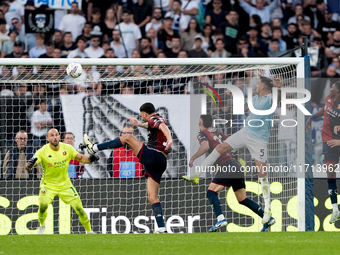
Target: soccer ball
x=74, y=70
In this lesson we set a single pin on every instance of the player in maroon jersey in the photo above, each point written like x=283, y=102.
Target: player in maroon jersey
x=331, y=142
x=153, y=155
x=230, y=174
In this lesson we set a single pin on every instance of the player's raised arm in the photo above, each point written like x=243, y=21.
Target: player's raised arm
x=87, y=159
x=319, y=114
x=201, y=150
x=165, y=130
x=136, y=123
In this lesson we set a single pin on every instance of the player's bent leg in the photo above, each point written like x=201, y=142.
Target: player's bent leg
x=133, y=142
x=214, y=155
x=152, y=189
x=265, y=186
x=84, y=219
x=212, y=195
x=332, y=190
x=45, y=199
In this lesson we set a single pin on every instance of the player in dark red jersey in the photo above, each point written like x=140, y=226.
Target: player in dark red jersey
x=153, y=155
x=331, y=142
x=230, y=174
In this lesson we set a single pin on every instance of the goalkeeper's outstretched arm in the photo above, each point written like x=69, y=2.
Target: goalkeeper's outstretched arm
x=87, y=159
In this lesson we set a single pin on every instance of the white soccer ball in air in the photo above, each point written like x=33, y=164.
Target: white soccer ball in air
x=74, y=70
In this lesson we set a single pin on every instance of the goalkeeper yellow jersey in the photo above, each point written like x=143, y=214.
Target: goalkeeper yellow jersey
x=55, y=164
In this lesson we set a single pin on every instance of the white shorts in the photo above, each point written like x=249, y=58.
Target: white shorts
x=256, y=147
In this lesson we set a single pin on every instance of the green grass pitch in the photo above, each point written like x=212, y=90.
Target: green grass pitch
x=205, y=243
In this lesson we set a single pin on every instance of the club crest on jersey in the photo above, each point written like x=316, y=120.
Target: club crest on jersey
x=338, y=106
x=64, y=153
x=42, y=191
x=49, y=165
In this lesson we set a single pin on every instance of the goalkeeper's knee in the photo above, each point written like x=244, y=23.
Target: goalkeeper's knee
x=78, y=207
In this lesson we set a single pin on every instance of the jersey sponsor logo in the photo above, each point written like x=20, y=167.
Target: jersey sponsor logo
x=49, y=165
x=64, y=153
x=338, y=106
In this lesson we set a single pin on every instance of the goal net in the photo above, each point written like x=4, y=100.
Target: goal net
x=112, y=190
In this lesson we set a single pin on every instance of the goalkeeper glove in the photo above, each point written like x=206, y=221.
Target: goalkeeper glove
x=93, y=158
x=31, y=162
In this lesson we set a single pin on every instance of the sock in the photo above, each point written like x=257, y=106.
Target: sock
x=335, y=207
x=115, y=143
x=252, y=205
x=158, y=212
x=332, y=192
x=220, y=217
x=213, y=198
x=265, y=192
x=42, y=217
x=214, y=155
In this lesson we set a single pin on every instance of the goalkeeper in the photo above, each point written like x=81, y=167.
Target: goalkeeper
x=55, y=158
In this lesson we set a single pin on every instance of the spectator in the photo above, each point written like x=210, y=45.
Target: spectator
x=220, y=52
x=141, y=14
x=156, y=21
x=265, y=34
x=255, y=21
x=94, y=51
x=86, y=31
x=188, y=36
x=68, y=45
x=109, y=53
x=110, y=22
x=40, y=123
x=27, y=39
x=49, y=50
x=17, y=51
x=75, y=168
x=275, y=48
x=189, y=10
x=277, y=34
x=315, y=11
x=291, y=38
x=217, y=35
x=327, y=27
x=16, y=158
x=80, y=50
x=179, y=21
x=277, y=23
x=130, y=33
x=216, y=16
x=3, y=33
x=105, y=45
x=255, y=43
x=176, y=47
x=58, y=38
x=38, y=50
x=146, y=49
x=243, y=48
x=4, y=7
x=7, y=47
x=155, y=43
x=166, y=33
x=263, y=11
x=198, y=52
x=122, y=162
x=109, y=86
x=182, y=54
x=207, y=35
x=16, y=10
x=231, y=31
x=298, y=11
x=161, y=54
x=56, y=53
x=97, y=22
x=306, y=30
x=73, y=22
x=333, y=47
x=116, y=5
x=322, y=59
x=117, y=46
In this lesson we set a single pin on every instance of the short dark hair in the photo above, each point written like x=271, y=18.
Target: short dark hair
x=67, y=133
x=276, y=28
x=207, y=120
x=147, y=38
x=82, y=38
x=180, y=2
x=337, y=84
x=148, y=108
x=110, y=49
x=126, y=11
x=220, y=39
x=267, y=82
x=95, y=10
x=274, y=40
x=176, y=36
x=88, y=23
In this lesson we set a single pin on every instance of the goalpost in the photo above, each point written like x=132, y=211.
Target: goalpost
x=99, y=103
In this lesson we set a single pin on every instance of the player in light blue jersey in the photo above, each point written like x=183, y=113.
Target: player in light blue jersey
x=254, y=138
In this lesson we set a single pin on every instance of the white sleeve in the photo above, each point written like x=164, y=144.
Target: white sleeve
x=49, y=117
x=137, y=33
x=61, y=25
x=34, y=118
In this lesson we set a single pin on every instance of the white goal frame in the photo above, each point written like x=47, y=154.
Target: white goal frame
x=300, y=67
